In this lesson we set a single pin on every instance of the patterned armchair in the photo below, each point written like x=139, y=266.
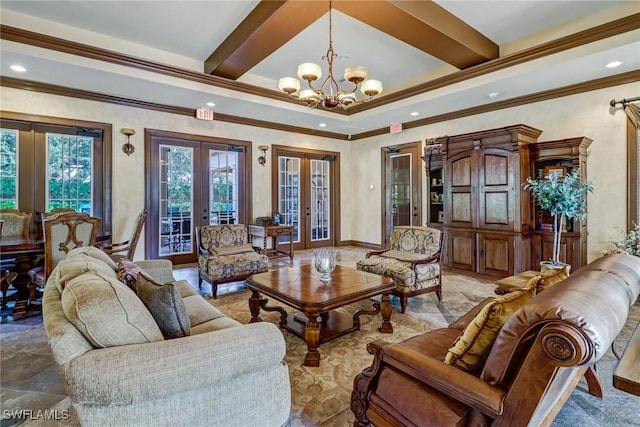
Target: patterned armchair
x=413, y=262
x=224, y=255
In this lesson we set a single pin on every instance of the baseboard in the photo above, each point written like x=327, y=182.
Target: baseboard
x=356, y=243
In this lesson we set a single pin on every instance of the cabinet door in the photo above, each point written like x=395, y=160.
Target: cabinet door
x=543, y=250
x=461, y=250
x=496, y=254
x=497, y=205
x=461, y=204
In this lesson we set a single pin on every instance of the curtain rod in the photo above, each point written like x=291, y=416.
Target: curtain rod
x=624, y=101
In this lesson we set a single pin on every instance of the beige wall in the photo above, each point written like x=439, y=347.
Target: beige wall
x=585, y=114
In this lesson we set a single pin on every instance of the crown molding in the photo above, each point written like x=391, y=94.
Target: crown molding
x=616, y=80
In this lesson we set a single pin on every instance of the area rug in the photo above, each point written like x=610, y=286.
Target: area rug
x=321, y=395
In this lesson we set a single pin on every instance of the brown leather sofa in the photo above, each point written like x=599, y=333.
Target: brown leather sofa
x=538, y=357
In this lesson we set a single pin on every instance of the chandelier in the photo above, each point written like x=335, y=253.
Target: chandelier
x=329, y=94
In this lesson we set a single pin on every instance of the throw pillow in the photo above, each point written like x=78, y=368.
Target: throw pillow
x=551, y=277
x=472, y=347
x=128, y=272
x=106, y=312
x=165, y=305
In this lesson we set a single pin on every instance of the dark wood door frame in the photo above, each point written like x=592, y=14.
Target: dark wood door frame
x=279, y=150
x=245, y=182
x=386, y=152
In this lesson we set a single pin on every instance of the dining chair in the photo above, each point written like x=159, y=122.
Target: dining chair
x=15, y=223
x=62, y=232
x=41, y=216
x=128, y=247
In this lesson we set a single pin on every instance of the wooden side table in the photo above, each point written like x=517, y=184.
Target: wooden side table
x=274, y=232
x=627, y=374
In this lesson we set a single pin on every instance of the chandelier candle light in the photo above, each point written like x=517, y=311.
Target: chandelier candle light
x=329, y=94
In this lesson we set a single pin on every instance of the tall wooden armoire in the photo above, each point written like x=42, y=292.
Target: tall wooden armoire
x=487, y=210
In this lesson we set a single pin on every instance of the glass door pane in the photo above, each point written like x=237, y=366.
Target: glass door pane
x=223, y=187
x=401, y=191
x=176, y=199
x=289, y=193
x=320, y=197
x=8, y=169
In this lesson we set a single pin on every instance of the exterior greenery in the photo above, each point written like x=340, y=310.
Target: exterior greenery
x=8, y=169
x=563, y=197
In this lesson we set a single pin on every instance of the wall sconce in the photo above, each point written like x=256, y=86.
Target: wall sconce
x=128, y=148
x=263, y=159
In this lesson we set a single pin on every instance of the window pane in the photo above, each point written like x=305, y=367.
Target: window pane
x=176, y=199
x=69, y=169
x=320, y=200
x=223, y=187
x=289, y=193
x=8, y=169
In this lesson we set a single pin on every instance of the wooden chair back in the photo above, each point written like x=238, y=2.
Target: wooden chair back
x=16, y=224
x=64, y=232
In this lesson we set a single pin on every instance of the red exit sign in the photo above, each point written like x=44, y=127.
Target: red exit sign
x=204, y=114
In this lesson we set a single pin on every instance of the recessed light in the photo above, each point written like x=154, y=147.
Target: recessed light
x=344, y=57
x=493, y=95
x=614, y=64
x=322, y=125
x=18, y=68
x=211, y=104
x=414, y=113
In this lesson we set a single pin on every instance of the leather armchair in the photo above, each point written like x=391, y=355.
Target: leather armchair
x=536, y=361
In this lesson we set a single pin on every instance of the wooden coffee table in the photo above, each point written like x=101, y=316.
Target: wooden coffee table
x=318, y=321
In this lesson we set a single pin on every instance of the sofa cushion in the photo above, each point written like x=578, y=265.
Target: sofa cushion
x=400, y=271
x=199, y=310
x=79, y=263
x=472, y=347
x=106, y=312
x=403, y=255
x=165, y=305
x=227, y=266
x=232, y=250
x=551, y=277
x=128, y=272
x=96, y=253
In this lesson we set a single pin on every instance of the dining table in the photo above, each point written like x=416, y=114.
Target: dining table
x=25, y=252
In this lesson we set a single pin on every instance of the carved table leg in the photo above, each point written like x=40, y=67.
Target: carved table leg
x=312, y=338
x=385, y=309
x=254, y=306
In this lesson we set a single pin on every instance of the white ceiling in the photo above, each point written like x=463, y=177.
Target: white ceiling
x=185, y=33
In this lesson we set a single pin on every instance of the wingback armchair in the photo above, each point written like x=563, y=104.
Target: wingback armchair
x=523, y=375
x=412, y=261
x=224, y=255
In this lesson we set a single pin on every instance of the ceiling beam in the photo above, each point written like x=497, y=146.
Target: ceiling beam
x=268, y=27
x=425, y=26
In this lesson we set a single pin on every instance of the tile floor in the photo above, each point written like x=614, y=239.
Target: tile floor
x=29, y=378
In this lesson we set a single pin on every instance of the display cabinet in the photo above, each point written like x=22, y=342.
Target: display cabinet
x=435, y=184
x=560, y=157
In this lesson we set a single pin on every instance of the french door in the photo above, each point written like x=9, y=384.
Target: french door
x=305, y=195
x=402, y=184
x=192, y=181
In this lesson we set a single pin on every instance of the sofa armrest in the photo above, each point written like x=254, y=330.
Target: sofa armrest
x=453, y=382
x=126, y=374
x=159, y=269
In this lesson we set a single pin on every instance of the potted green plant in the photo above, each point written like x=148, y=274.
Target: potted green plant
x=630, y=244
x=564, y=197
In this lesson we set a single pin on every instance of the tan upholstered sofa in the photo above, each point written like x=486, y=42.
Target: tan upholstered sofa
x=119, y=369
x=524, y=372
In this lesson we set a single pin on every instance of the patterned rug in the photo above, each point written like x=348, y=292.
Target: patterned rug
x=321, y=396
